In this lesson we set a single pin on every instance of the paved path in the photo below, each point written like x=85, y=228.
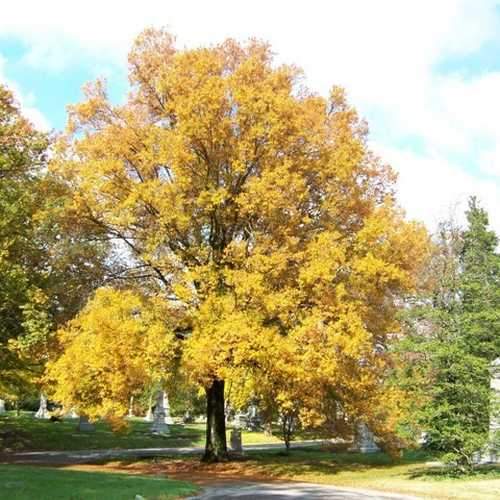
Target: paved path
x=288, y=490
x=89, y=456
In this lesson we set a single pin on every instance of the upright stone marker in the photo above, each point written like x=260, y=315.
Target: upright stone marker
x=253, y=420
x=235, y=440
x=42, y=411
x=365, y=441
x=168, y=419
x=2, y=406
x=160, y=425
x=149, y=414
x=239, y=420
x=71, y=414
x=131, y=407
x=84, y=425
x=493, y=454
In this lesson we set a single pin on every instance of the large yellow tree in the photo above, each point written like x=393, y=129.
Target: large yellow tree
x=257, y=208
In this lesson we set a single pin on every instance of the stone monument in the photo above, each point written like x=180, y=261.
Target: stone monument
x=493, y=452
x=42, y=411
x=84, y=425
x=168, y=419
x=71, y=414
x=2, y=406
x=160, y=425
x=235, y=440
x=149, y=413
x=239, y=420
x=253, y=420
x=131, y=407
x=365, y=441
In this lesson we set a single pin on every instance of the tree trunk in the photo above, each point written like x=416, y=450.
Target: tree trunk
x=215, y=445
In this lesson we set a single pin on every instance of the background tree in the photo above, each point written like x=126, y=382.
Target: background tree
x=454, y=337
x=48, y=265
x=255, y=206
x=480, y=285
x=22, y=155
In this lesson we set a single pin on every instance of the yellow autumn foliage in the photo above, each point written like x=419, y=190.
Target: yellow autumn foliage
x=256, y=206
x=118, y=344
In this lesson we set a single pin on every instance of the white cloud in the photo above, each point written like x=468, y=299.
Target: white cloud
x=26, y=101
x=432, y=189
x=489, y=162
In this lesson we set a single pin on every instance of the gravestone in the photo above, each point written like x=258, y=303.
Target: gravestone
x=42, y=412
x=493, y=452
x=131, y=407
x=253, y=420
x=239, y=420
x=71, y=414
x=160, y=425
x=365, y=442
x=235, y=440
x=2, y=406
x=149, y=413
x=168, y=419
x=84, y=425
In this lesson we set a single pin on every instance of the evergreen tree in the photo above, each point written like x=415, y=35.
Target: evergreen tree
x=480, y=286
x=453, y=337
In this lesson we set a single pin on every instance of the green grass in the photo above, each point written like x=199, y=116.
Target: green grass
x=27, y=433
x=412, y=474
x=28, y=483
x=416, y=473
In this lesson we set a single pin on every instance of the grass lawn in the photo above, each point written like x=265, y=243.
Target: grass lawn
x=412, y=474
x=27, y=483
x=27, y=433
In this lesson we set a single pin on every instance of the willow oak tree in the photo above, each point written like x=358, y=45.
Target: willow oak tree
x=251, y=203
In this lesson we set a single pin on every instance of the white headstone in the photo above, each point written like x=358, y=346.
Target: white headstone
x=71, y=414
x=239, y=420
x=493, y=452
x=168, y=419
x=131, y=407
x=42, y=411
x=2, y=406
x=149, y=414
x=253, y=422
x=160, y=425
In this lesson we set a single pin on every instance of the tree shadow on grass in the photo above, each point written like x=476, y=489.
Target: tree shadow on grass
x=486, y=471
x=314, y=461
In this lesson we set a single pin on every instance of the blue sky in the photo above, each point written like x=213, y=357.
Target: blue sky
x=425, y=74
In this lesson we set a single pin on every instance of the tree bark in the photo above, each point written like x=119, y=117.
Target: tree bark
x=215, y=445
